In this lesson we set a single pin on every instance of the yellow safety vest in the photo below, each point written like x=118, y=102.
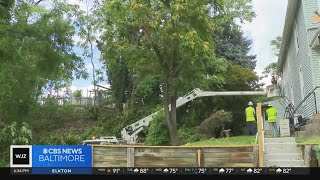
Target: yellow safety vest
x=250, y=114
x=272, y=114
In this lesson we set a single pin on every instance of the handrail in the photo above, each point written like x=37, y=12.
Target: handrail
x=260, y=135
x=305, y=98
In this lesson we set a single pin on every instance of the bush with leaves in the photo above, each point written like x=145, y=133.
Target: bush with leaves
x=215, y=124
x=66, y=138
x=189, y=135
x=158, y=133
x=13, y=134
x=316, y=149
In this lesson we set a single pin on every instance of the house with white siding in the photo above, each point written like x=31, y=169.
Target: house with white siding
x=299, y=61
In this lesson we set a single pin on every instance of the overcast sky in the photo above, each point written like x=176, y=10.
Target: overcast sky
x=268, y=24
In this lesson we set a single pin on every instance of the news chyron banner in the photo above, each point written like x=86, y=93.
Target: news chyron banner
x=54, y=159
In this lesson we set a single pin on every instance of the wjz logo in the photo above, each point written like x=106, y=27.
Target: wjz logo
x=20, y=156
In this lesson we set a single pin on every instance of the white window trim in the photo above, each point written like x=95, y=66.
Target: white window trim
x=296, y=37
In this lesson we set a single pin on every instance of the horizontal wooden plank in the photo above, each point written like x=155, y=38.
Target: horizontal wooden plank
x=110, y=164
x=164, y=162
x=229, y=160
x=175, y=147
x=233, y=149
x=228, y=155
x=151, y=159
x=110, y=151
x=228, y=164
x=172, y=155
x=165, y=150
x=101, y=158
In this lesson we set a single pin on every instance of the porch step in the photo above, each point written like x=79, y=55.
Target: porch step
x=282, y=156
x=284, y=163
x=280, y=140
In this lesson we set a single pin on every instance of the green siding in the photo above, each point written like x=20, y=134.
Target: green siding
x=311, y=35
x=309, y=7
x=316, y=65
x=297, y=60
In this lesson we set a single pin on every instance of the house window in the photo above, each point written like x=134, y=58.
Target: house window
x=301, y=84
x=296, y=36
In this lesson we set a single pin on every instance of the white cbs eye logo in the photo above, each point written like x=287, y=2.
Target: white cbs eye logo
x=45, y=151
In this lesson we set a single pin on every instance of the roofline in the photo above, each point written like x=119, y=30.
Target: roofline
x=290, y=16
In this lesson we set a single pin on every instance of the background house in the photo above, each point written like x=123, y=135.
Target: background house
x=299, y=60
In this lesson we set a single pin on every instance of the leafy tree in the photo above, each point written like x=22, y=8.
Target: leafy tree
x=271, y=68
x=276, y=45
x=173, y=41
x=78, y=95
x=235, y=47
x=5, y=10
x=36, y=54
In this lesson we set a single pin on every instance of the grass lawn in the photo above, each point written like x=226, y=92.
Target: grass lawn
x=236, y=140
x=308, y=140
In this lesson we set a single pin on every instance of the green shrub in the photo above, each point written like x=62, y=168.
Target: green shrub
x=316, y=149
x=13, y=134
x=215, y=124
x=188, y=135
x=158, y=133
x=5, y=158
x=71, y=137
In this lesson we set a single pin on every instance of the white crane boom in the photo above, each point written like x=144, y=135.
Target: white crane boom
x=130, y=132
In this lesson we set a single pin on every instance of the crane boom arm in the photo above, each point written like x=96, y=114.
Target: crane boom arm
x=130, y=132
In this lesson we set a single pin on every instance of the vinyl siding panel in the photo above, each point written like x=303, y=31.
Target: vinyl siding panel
x=309, y=7
x=316, y=73
x=294, y=62
x=311, y=35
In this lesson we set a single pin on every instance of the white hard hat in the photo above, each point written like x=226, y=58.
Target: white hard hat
x=270, y=104
x=250, y=103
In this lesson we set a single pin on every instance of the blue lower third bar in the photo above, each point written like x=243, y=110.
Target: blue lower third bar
x=61, y=170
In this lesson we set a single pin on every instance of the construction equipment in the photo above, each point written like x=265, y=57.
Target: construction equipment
x=130, y=133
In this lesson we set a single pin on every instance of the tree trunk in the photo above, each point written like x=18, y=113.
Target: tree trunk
x=173, y=117
x=130, y=89
x=170, y=115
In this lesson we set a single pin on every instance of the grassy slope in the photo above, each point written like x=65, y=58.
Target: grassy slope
x=242, y=140
x=237, y=140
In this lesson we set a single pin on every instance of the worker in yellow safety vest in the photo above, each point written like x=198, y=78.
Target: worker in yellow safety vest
x=272, y=119
x=251, y=119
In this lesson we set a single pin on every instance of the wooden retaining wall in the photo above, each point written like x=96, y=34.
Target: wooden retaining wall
x=309, y=155
x=175, y=156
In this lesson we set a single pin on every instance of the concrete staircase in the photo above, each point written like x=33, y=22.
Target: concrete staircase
x=282, y=152
x=311, y=129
